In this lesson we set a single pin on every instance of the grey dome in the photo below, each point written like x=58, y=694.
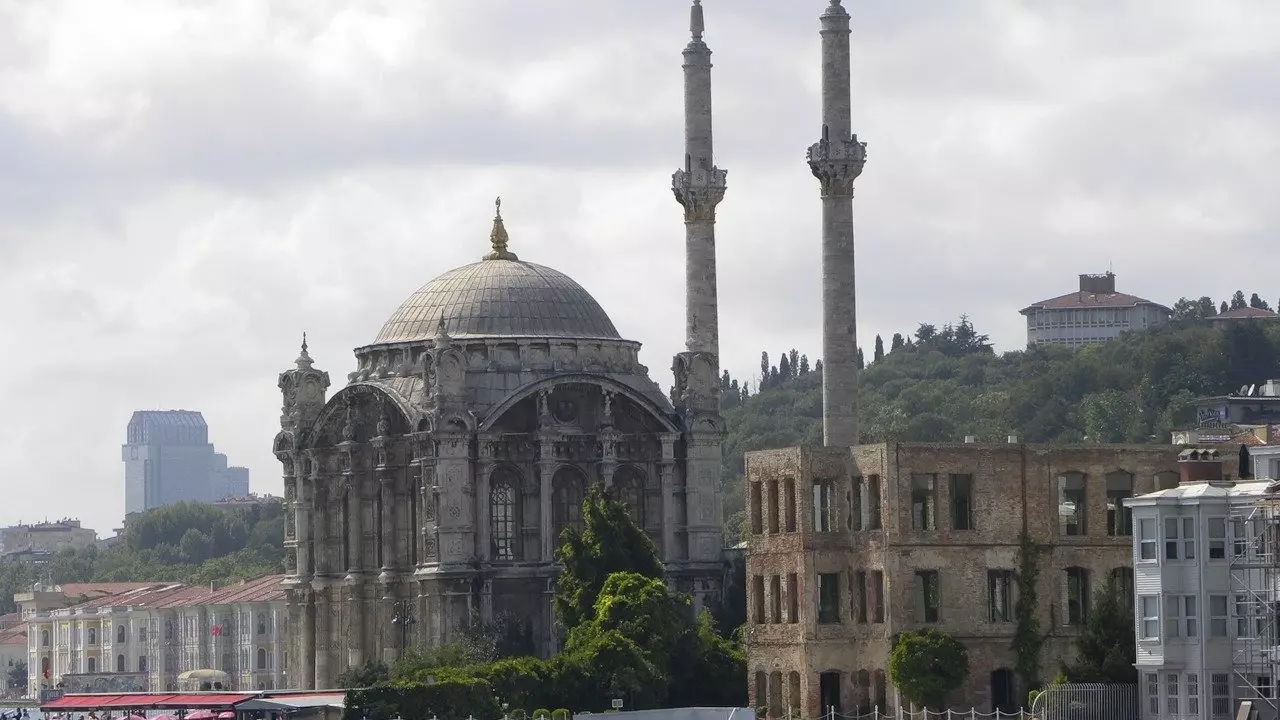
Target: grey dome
x=500, y=298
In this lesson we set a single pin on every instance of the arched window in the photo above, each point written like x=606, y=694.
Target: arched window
x=1119, y=517
x=93, y=636
x=1123, y=579
x=568, y=486
x=262, y=623
x=882, y=691
x=762, y=689
x=226, y=662
x=793, y=694
x=504, y=515
x=628, y=486
x=44, y=667
x=262, y=658
x=44, y=638
x=120, y=635
x=1167, y=480
x=775, y=694
x=863, y=699
x=120, y=663
x=142, y=664
x=91, y=665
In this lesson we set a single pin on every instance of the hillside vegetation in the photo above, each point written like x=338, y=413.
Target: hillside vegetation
x=941, y=385
x=190, y=543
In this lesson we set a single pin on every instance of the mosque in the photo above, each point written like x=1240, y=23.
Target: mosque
x=431, y=489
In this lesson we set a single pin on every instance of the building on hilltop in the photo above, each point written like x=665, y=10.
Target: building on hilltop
x=1095, y=313
x=847, y=547
x=1245, y=313
x=46, y=537
x=152, y=637
x=1206, y=572
x=168, y=459
x=436, y=483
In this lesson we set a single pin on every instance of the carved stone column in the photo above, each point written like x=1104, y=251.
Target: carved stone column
x=322, y=553
x=387, y=534
x=355, y=527
x=484, y=468
x=302, y=527
x=546, y=519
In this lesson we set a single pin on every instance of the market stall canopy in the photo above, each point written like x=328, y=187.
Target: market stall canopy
x=288, y=703
x=148, y=701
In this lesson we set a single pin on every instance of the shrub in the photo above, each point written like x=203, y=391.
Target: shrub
x=560, y=714
x=542, y=714
x=448, y=698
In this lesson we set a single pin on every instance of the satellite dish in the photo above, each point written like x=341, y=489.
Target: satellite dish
x=1244, y=390
x=1253, y=390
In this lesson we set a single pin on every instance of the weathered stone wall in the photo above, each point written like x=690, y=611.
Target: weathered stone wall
x=1014, y=490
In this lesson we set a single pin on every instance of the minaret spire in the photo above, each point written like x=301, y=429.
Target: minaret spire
x=699, y=186
x=837, y=160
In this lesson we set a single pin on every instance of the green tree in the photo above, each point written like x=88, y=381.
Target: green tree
x=1207, y=308
x=1105, y=648
x=927, y=664
x=1223, y=307
x=1111, y=416
x=896, y=342
x=1237, y=301
x=794, y=357
x=1257, y=302
x=804, y=364
x=608, y=542
x=1185, y=309
x=363, y=676
x=784, y=368
x=879, y=351
x=860, y=361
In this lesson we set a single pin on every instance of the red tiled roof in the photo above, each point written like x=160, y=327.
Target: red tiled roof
x=10, y=618
x=263, y=589
x=14, y=636
x=97, y=590
x=1081, y=299
x=1246, y=313
x=152, y=595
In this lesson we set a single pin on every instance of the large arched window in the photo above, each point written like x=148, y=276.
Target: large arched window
x=568, y=486
x=262, y=658
x=120, y=663
x=91, y=665
x=44, y=638
x=262, y=623
x=93, y=636
x=120, y=635
x=504, y=515
x=628, y=487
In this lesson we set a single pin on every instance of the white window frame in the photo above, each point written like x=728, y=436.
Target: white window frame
x=1218, y=620
x=1179, y=538
x=1249, y=621
x=1148, y=540
x=1217, y=538
x=1171, y=694
x=1193, y=694
x=1219, y=696
x=1149, y=605
x=1172, y=616
x=1153, y=693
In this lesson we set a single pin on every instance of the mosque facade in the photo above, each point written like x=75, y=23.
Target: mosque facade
x=430, y=491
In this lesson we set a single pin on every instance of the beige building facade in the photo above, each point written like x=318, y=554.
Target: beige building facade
x=145, y=638
x=849, y=546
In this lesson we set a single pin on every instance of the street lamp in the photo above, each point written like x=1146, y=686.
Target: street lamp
x=402, y=618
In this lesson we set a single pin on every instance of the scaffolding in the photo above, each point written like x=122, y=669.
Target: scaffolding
x=1254, y=537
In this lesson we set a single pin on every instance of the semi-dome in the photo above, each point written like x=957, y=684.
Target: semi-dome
x=500, y=297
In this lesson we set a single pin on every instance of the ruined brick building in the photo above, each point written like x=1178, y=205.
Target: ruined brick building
x=850, y=546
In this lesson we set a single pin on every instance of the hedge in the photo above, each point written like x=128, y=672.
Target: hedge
x=448, y=699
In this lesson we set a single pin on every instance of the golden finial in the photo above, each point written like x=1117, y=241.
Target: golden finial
x=498, y=237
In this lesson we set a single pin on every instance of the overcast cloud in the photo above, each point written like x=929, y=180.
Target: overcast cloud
x=186, y=186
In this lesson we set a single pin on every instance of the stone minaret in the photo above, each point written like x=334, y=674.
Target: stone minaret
x=837, y=160
x=699, y=187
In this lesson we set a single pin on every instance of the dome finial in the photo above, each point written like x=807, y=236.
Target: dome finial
x=498, y=237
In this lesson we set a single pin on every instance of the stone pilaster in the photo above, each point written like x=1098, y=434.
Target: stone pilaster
x=303, y=528
x=699, y=186
x=667, y=479
x=837, y=160
x=386, y=509
x=457, y=495
x=484, y=467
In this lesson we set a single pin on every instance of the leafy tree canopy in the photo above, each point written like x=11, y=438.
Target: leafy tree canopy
x=608, y=542
x=927, y=664
x=1105, y=649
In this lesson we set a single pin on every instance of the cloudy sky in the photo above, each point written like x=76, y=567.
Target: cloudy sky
x=187, y=185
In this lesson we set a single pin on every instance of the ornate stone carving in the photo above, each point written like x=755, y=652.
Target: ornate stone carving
x=699, y=191
x=697, y=385
x=837, y=163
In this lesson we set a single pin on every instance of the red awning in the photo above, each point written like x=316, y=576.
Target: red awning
x=149, y=701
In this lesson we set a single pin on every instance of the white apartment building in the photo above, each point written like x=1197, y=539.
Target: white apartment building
x=144, y=639
x=1205, y=580
x=1095, y=313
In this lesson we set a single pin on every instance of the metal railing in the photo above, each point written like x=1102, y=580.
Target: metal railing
x=1087, y=701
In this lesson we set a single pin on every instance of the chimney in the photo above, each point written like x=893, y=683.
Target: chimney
x=1104, y=284
x=1198, y=465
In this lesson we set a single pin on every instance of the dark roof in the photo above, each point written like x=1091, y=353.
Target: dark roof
x=169, y=418
x=1079, y=299
x=263, y=589
x=1247, y=313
